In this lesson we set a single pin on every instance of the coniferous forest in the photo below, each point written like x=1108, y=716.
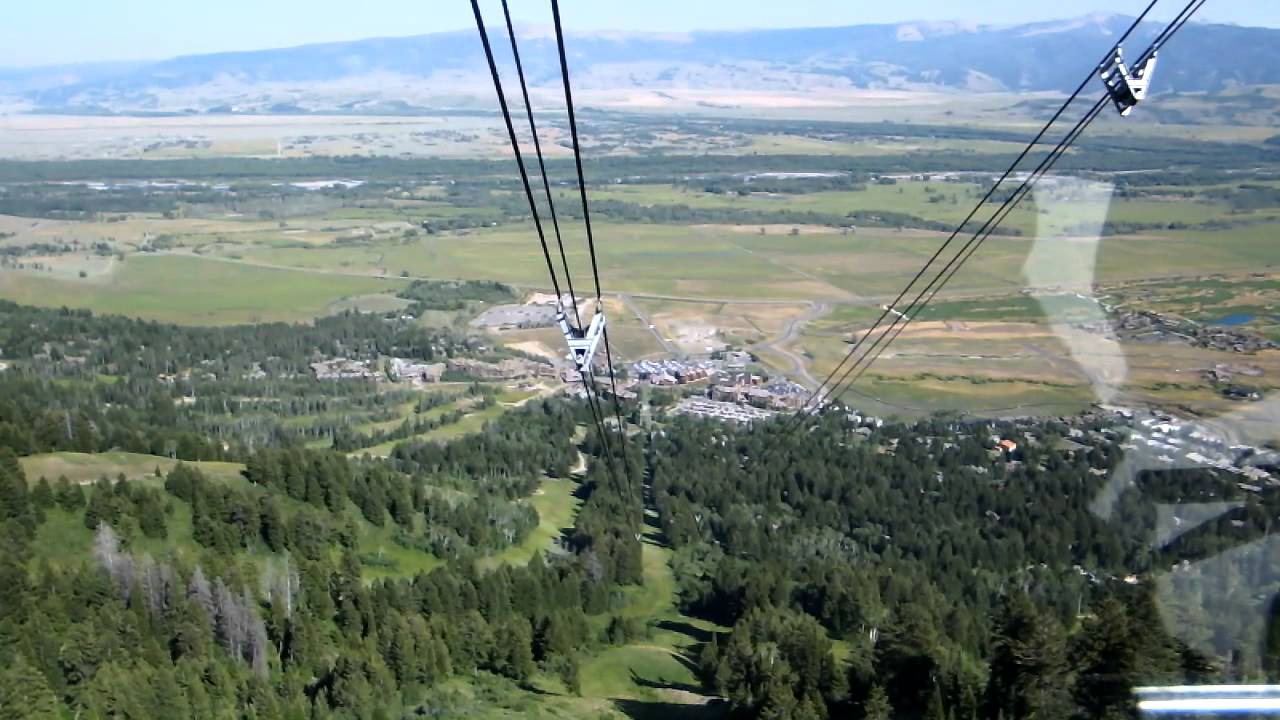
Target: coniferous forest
x=899, y=571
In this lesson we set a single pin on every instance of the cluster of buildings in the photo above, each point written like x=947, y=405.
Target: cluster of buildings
x=508, y=369
x=344, y=369
x=732, y=393
x=759, y=392
x=1167, y=441
x=744, y=398
x=683, y=372
x=675, y=372
x=413, y=371
x=727, y=411
x=1149, y=327
x=416, y=372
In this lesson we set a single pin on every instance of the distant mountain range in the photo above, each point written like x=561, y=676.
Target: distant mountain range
x=448, y=69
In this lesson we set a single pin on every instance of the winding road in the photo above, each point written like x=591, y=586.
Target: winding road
x=799, y=368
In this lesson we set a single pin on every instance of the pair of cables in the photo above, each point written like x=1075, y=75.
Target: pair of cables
x=856, y=363
x=587, y=373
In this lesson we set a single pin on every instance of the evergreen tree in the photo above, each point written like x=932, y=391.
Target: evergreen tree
x=15, y=503
x=25, y=693
x=935, y=709
x=876, y=706
x=70, y=496
x=1029, y=674
x=42, y=494
x=1105, y=657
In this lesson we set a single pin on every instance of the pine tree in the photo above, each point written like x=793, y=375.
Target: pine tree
x=935, y=709
x=1106, y=658
x=512, y=643
x=101, y=507
x=15, y=503
x=25, y=693
x=570, y=672
x=877, y=705
x=1028, y=676
x=272, y=523
x=42, y=494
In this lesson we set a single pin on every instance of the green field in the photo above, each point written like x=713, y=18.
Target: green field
x=934, y=201
x=193, y=291
x=84, y=468
x=470, y=423
x=1181, y=248
x=722, y=262
x=557, y=507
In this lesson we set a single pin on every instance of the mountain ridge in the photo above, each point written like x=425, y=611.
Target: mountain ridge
x=447, y=69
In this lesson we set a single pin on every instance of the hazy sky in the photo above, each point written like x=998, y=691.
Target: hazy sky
x=44, y=32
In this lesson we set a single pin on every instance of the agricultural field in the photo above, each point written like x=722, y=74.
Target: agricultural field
x=789, y=266
x=190, y=290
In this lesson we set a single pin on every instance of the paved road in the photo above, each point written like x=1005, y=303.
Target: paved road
x=799, y=366
x=668, y=347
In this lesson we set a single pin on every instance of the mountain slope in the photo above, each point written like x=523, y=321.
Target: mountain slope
x=447, y=69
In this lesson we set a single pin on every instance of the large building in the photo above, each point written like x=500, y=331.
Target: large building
x=731, y=412
x=412, y=371
x=344, y=369
x=508, y=369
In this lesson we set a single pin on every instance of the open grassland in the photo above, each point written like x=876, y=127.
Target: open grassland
x=557, y=507
x=1025, y=367
x=73, y=137
x=385, y=557
x=875, y=147
x=703, y=286
x=84, y=468
x=658, y=669
x=633, y=258
x=947, y=202
x=191, y=290
x=1184, y=249
x=737, y=263
x=472, y=422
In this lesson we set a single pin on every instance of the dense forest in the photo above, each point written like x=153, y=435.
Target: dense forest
x=851, y=570
x=272, y=616
x=90, y=383
x=961, y=583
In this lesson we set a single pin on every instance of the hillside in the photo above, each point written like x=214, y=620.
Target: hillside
x=446, y=69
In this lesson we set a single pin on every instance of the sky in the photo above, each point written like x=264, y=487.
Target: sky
x=51, y=32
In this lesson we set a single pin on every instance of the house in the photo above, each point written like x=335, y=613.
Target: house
x=343, y=369
x=1008, y=445
x=691, y=374
x=622, y=394
x=726, y=393
x=409, y=370
x=722, y=411
x=508, y=369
